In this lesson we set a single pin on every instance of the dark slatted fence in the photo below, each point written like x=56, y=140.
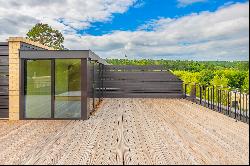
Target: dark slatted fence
x=4, y=80
x=140, y=82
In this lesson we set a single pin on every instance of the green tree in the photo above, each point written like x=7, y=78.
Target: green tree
x=44, y=34
x=236, y=78
x=205, y=77
x=219, y=81
x=245, y=85
x=188, y=77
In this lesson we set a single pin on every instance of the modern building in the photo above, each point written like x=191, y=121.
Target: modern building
x=37, y=82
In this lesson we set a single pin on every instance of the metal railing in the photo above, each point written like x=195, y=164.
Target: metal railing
x=231, y=102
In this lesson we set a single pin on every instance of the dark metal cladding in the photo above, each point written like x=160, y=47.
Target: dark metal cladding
x=55, y=54
x=4, y=76
x=4, y=80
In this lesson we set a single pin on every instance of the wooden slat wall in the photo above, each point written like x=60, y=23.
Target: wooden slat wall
x=141, y=82
x=4, y=80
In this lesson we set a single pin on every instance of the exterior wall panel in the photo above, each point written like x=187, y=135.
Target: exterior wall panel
x=140, y=82
x=4, y=80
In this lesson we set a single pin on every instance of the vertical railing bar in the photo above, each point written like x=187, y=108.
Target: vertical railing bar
x=213, y=97
x=243, y=102
x=240, y=102
x=219, y=100
x=235, y=110
x=195, y=93
x=222, y=95
x=205, y=96
x=208, y=104
x=223, y=102
x=226, y=94
x=230, y=104
x=185, y=90
x=200, y=95
x=227, y=102
x=247, y=116
x=217, y=103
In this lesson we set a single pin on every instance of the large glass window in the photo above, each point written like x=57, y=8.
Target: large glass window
x=38, y=89
x=52, y=91
x=67, y=88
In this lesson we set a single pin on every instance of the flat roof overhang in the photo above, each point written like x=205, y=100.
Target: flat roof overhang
x=61, y=54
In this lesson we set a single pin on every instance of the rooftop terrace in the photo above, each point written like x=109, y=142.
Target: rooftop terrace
x=130, y=131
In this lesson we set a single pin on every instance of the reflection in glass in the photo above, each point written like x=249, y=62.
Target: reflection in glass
x=38, y=89
x=67, y=88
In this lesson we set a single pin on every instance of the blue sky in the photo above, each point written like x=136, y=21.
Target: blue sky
x=139, y=29
x=146, y=10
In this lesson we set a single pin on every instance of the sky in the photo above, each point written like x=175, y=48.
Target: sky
x=138, y=29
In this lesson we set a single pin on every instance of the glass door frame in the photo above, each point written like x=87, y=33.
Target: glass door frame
x=83, y=87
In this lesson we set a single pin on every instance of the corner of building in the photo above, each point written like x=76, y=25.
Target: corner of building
x=14, y=73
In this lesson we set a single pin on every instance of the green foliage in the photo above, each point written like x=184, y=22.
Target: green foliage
x=236, y=78
x=245, y=85
x=205, y=77
x=219, y=80
x=223, y=78
x=47, y=36
x=194, y=66
x=243, y=66
x=188, y=77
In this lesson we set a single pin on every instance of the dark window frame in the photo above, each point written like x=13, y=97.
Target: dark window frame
x=83, y=83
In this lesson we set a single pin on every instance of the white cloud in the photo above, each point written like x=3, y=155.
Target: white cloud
x=184, y=3
x=16, y=17
x=222, y=35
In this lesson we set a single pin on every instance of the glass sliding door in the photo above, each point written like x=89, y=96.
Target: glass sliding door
x=67, y=88
x=37, y=89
